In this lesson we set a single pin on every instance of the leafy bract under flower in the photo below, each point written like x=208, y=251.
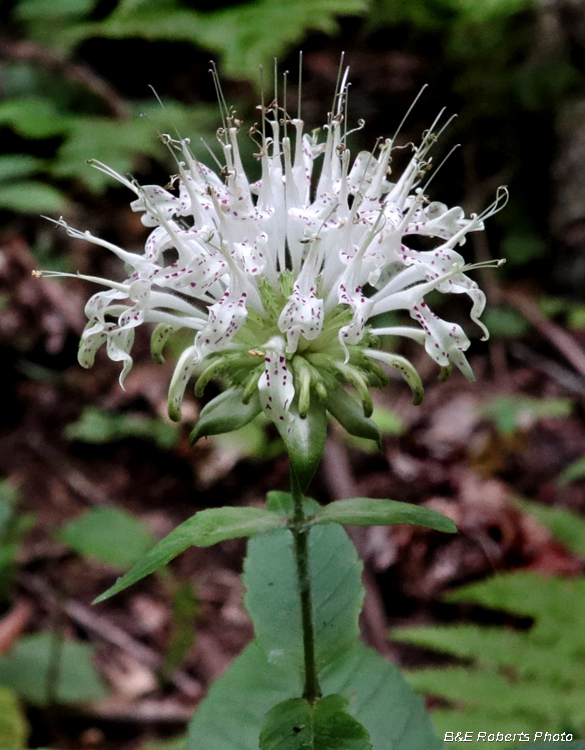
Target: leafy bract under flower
x=279, y=282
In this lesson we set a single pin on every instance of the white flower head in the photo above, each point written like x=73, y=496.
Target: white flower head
x=280, y=281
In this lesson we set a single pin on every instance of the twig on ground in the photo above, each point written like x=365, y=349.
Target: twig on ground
x=146, y=711
x=13, y=623
x=565, y=377
x=107, y=631
x=558, y=337
x=76, y=480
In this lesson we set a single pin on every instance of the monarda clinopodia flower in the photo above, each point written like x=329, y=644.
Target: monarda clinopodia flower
x=281, y=280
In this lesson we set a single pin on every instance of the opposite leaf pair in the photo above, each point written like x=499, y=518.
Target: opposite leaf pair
x=215, y=525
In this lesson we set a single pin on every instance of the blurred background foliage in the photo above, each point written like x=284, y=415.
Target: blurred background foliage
x=513, y=677
x=74, y=85
x=75, y=78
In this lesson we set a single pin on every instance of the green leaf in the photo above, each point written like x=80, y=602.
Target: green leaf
x=8, y=499
x=237, y=34
x=118, y=144
x=13, y=726
x=152, y=21
x=524, y=679
x=350, y=416
x=261, y=676
x=110, y=535
x=419, y=15
x=17, y=165
x=527, y=594
x=248, y=690
x=379, y=698
x=573, y=472
x=388, y=421
x=177, y=742
x=129, y=8
x=511, y=413
x=185, y=610
x=31, y=197
x=305, y=441
x=27, y=670
x=270, y=573
x=495, y=695
x=13, y=527
x=282, y=502
x=97, y=426
x=112, y=142
x=566, y=526
x=37, y=10
x=252, y=440
x=366, y=511
x=296, y=725
x=519, y=247
x=553, y=307
x=201, y=530
x=472, y=12
x=505, y=322
x=225, y=413
x=576, y=317
x=34, y=117
x=490, y=646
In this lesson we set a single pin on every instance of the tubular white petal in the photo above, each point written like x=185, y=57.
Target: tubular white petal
x=118, y=345
x=225, y=319
x=91, y=340
x=445, y=341
x=182, y=372
x=301, y=316
x=155, y=202
x=405, y=331
x=276, y=386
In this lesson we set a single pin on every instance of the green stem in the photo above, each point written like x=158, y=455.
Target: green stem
x=300, y=532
